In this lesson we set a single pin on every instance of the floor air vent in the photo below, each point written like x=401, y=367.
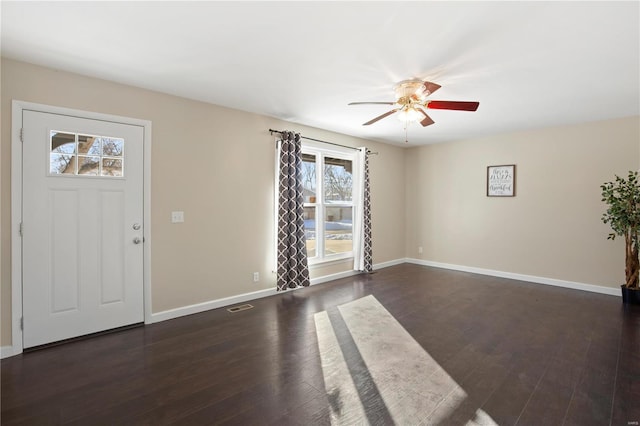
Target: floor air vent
x=240, y=308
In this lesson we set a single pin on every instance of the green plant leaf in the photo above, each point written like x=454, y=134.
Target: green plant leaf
x=622, y=197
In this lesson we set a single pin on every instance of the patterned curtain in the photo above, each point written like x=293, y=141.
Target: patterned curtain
x=367, y=252
x=363, y=260
x=292, y=269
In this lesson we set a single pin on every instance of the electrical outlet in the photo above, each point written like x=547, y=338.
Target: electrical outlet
x=419, y=250
x=256, y=277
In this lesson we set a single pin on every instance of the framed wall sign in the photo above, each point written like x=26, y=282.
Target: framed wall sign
x=501, y=181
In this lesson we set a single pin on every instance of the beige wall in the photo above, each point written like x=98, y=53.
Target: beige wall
x=551, y=229
x=215, y=164
x=207, y=159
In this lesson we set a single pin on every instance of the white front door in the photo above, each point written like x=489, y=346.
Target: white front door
x=82, y=212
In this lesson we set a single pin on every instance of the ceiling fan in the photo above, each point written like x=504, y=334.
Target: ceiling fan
x=411, y=99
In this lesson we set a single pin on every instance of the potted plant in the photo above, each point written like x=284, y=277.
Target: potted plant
x=622, y=197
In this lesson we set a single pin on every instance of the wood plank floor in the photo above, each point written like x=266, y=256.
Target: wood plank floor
x=523, y=353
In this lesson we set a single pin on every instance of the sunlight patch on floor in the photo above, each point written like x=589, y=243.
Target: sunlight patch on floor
x=376, y=366
x=481, y=419
x=346, y=407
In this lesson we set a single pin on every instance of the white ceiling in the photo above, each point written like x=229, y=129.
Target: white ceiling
x=529, y=64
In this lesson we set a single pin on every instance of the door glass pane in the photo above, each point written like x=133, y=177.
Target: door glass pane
x=62, y=158
x=310, y=230
x=309, y=177
x=61, y=164
x=338, y=230
x=96, y=155
x=111, y=167
x=112, y=147
x=88, y=145
x=88, y=166
x=63, y=143
x=338, y=180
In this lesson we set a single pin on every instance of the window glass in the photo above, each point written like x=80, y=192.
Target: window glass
x=338, y=180
x=309, y=179
x=111, y=167
x=310, y=230
x=327, y=179
x=89, y=166
x=338, y=230
x=61, y=163
x=85, y=155
x=88, y=145
x=63, y=143
x=112, y=147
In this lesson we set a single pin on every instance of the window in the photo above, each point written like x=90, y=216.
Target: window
x=77, y=154
x=328, y=183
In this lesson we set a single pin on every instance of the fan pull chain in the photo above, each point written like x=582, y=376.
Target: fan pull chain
x=406, y=135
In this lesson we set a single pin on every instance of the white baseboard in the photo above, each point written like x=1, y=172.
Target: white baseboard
x=241, y=298
x=7, y=351
x=212, y=304
x=383, y=265
x=520, y=277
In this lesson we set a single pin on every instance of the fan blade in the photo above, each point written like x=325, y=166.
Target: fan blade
x=431, y=87
x=456, y=105
x=380, y=117
x=371, y=103
x=426, y=121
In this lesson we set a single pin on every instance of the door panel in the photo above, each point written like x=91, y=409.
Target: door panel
x=82, y=194
x=63, y=237
x=112, y=254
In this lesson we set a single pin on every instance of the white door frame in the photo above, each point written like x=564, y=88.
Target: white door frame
x=16, y=209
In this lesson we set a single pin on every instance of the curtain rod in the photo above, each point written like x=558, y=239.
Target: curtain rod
x=318, y=140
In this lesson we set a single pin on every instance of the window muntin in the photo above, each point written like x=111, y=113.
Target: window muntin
x=75, y=154
x=328, y=184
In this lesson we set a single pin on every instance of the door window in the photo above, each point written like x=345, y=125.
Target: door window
x=75, y=154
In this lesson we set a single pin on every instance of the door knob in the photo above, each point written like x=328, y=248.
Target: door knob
x=137, y=240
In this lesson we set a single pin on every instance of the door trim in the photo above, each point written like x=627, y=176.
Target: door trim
x=17, y=109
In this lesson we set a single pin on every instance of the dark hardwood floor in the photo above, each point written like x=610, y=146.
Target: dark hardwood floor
x=525, y=354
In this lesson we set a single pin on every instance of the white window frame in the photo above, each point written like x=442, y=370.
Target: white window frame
x=321, y=151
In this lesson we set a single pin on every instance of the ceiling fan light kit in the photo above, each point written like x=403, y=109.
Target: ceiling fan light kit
x=408, y=115
x=411, y=99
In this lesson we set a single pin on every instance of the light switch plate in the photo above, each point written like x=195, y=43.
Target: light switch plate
x=177, y=217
